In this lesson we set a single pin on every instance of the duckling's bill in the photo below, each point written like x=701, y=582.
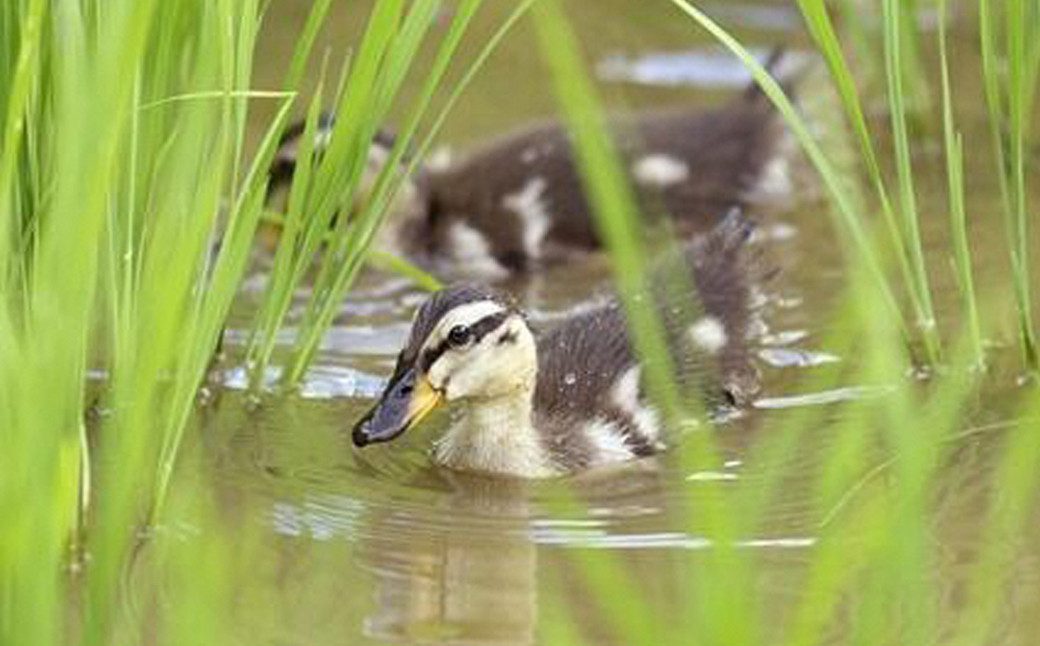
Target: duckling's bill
x=406, y=401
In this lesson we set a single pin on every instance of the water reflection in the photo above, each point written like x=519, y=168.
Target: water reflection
x=475, y=586
x=459, y=571
x=427, y=556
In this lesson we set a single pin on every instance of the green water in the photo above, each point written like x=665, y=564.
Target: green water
x=380, y=547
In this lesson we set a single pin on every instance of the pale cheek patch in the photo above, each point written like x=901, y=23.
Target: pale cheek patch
x=453, y=370
x=660, y=171
x=708, y=334
x=438, y=375
x=528, y=204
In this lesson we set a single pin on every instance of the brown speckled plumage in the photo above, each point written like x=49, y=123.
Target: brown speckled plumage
x=594, y=348
x=517, y=202
x=725, y=151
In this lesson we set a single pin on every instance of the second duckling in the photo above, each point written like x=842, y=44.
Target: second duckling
x=517, y=202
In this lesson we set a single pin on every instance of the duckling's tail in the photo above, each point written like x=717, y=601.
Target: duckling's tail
x=727, y=274
x=287, y=154
x=774, y=182
x=786, y=67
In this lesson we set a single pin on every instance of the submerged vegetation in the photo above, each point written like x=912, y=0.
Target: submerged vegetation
x=129, y=202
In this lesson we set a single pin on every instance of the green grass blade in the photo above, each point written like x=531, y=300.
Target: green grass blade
x=611, y=197
x=955, y=186
x=305, y=43
x=821, y=28
x=850, y=221
x=320, y=315
x=898, y=111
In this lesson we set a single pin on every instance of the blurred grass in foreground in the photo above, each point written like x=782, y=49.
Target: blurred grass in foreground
x=871, y=574
x=128, y=208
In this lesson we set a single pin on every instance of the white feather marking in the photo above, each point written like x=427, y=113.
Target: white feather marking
x=467, y=314
x=660, y=170
x=378, y=155
x=626, y=391
x=470, y=248
x=529, y=205
x=439, y=160
x=608, y=441
x=625, y=395
x=709, y=334
x=531, y=154
x=775, y=183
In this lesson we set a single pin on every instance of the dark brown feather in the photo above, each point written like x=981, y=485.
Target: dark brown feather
x=581, y=359
x=725, y=151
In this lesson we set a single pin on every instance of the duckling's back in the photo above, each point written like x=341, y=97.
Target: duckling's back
x=523, y=198
x=590, y=400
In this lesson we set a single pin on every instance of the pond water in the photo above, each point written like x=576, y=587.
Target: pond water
x=379, y=547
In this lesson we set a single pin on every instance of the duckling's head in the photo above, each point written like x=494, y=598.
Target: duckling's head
x=468, y=343
x=408, y=203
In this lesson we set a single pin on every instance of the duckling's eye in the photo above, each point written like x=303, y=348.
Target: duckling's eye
x=459, y=335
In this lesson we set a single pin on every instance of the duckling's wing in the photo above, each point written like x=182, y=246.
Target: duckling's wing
x=702, y=294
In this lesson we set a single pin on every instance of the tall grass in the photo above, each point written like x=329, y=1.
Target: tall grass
x=617, y=221
x=1009, y=99
x=954, y=147
x=1010, y=107
x=322, y=186
x=123, y=168
x=128, y=206
x=895, y=19
x=612, y=198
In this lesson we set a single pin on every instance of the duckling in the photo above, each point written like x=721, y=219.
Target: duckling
x=517, y=202
x=538, y=404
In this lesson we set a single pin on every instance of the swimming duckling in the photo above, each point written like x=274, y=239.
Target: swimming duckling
x=543, y=404
x=517, y=202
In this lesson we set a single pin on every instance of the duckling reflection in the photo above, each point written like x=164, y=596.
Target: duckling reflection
x=471, y=579
x=481, y=564
x=571, y=398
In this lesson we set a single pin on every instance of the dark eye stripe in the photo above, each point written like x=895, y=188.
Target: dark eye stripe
x=478, y=331
x=486, y=325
